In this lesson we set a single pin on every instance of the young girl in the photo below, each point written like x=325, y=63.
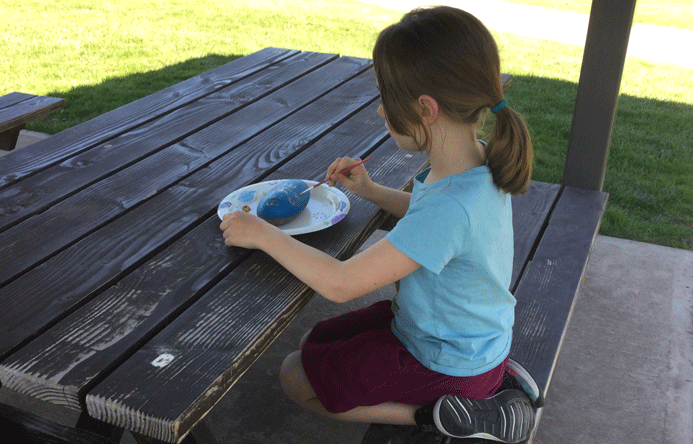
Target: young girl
x=438, y=353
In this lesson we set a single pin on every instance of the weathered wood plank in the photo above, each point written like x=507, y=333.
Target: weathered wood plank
x=530, y=216
x=547, y=292
x=89, y=266
x=27, y=110
x=49, y=187
x=100, y=129
x=13, y=98
x=21, y=427
x=92, y=339
x=130, y=187
x=218, y=338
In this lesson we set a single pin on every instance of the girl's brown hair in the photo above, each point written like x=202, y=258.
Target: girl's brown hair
x=449, y=55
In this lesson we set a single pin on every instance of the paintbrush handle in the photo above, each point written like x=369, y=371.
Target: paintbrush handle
x=341, y=172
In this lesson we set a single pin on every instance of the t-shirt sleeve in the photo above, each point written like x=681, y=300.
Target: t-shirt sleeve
x=434, y=230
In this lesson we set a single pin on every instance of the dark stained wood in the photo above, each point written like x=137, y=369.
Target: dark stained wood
x=113, y=313
x=16, y=109
x=547, y=291
x=20, y=427
x=606, y=46
x=113, y=251
x=24, y=111
x=113, y=196
x=84, y=136
x=530, y=216
x=111, y=256
x=49, y=187
x=224, y=332
x=13, y=98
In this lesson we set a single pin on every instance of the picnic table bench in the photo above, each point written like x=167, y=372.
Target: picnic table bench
x=16, y=109
x=120, y=299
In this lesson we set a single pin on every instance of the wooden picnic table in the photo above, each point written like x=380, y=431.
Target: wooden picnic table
x=120, y=299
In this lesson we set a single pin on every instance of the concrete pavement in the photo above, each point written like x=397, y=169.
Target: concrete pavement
x=656, y=43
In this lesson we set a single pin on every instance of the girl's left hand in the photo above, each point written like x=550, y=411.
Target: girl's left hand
x=245, y=230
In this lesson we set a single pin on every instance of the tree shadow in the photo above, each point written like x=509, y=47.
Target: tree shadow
x=648, y=171
x=85, y=102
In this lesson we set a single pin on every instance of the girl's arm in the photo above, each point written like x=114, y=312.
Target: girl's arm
x=338, y=281
x=395, y=202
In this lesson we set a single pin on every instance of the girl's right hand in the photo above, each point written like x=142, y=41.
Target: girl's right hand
x=355, y=180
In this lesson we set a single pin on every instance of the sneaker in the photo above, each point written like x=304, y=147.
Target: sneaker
x=507, y=416
x=517, y=377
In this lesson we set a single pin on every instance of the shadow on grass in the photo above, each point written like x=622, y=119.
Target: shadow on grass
x=88, y=101
x=648, y=172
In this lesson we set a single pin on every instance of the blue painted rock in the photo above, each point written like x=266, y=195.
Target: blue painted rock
x=284, y=202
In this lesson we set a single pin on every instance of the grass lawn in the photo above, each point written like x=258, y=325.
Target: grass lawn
x=99, y=55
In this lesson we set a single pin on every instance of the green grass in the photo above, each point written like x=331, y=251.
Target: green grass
x=101, y=55
x=671, y=13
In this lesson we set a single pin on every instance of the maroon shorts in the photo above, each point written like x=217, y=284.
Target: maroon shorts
x=356, y=360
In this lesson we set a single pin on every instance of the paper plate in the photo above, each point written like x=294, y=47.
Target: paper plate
x=326, y=207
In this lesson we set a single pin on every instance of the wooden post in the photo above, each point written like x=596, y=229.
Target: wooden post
x=600, y=80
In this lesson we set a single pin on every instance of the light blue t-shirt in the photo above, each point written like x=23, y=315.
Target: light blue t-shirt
x=455, y=313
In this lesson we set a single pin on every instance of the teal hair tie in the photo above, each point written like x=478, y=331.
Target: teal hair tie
x=499, y=107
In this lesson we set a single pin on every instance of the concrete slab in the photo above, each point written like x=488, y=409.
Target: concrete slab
x=646, y=41
x=625, y=371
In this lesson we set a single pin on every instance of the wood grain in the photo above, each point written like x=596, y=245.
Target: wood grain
x=48, y=188
x=96, y=261
x=125, y=189
x=24, y=111
x=546, y=294
x=84, y=136
x=530, y=217
x=13, y=98
x=60, y=365
x=219, y=337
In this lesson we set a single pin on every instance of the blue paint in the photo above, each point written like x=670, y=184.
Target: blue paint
x=284, y=200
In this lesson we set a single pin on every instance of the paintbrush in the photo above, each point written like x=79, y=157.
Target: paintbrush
x=341, y=172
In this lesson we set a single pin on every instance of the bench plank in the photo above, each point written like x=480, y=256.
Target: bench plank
x=86, y=135
x=530, y=216
x=547, y=292
x=16, y=115
x=80, y=272
x=13, y=98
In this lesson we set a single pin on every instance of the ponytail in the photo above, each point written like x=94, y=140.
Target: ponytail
x=509, y=152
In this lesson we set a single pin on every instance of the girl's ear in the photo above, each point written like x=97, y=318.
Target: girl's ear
x=428, y=107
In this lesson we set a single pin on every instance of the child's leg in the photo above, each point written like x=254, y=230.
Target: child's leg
x=297, y=387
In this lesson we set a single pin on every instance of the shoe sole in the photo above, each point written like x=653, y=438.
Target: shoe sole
x=527, y=382
x=506, y=417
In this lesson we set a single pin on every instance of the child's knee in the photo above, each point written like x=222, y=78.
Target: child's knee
x=293, y=379
x=288, y=373
x=304, y=339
